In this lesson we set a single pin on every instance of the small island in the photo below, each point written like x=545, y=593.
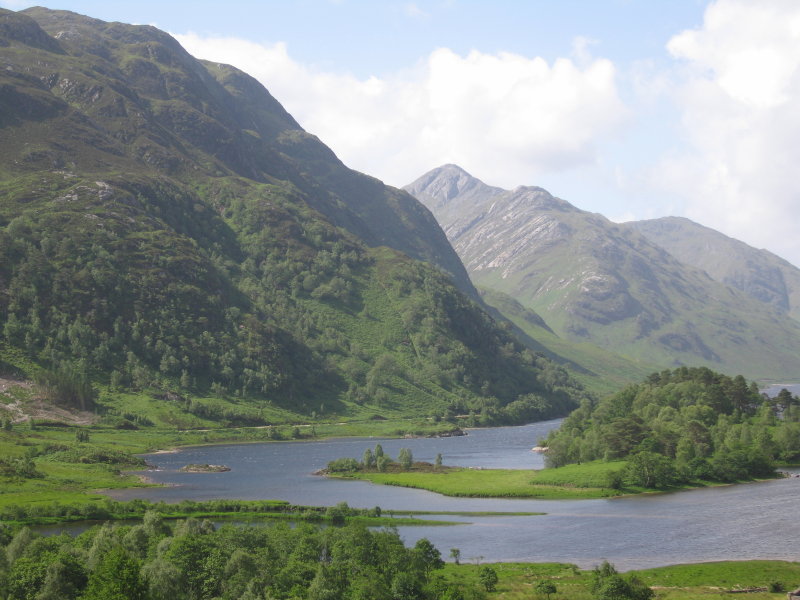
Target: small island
x=685, y=428
x=196, y=468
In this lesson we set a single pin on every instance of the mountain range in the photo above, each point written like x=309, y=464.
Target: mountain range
x=635, y=289
x=166, y=225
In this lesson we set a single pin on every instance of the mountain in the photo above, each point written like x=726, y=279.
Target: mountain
x=166, y=225
x=599, y=370
x=758, y=273
x=595, y=281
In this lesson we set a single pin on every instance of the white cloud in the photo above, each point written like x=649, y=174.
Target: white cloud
x=505, y=117
x=415, y=12
x=740, y=98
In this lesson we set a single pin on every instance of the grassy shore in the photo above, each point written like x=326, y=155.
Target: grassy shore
x=571, y=482
x=55, y=511
x=704, y=581
x=68, y=470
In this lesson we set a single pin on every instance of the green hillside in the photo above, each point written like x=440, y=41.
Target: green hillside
x=599, y=370
x=166, y=226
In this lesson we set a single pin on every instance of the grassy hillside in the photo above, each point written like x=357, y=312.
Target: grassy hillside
x=167, y=229
x=599, y=370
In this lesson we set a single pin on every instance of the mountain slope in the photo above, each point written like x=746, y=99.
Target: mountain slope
x=599, y=370
x=759, y=273
x=599, y=282
x=168, y=110
x=165, y=224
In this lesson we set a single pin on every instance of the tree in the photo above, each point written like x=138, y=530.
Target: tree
x=651, y=470
x=116, y=578
x=427, y=556
x=25, y=578
x=608, y=584
x=405, y=458
x=438, y=463
x=18, y=544
x=325, y=585
x=784, y=400
x=623, y=435
x=154, y=524
x=455, y=554
x=488, y=578
x=405, y=587
x=546, y=587
x=164, y=580
x=65, y=577
x=368, y=460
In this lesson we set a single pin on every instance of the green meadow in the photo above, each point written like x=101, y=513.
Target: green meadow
x=704, y=581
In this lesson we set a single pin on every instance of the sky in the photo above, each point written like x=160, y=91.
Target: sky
x=634, y=109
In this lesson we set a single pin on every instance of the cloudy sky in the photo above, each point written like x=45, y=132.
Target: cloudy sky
x=631, y=108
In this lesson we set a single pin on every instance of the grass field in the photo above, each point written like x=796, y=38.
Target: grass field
x=704, y=581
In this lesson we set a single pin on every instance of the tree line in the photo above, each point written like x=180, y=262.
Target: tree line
x=155, y=560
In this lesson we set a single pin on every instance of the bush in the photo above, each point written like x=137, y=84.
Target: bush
x=488, y=578
x=343, y=465
x=22, y=468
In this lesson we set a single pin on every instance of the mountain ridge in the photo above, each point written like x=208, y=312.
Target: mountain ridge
x=597, y=281
x=758, y=272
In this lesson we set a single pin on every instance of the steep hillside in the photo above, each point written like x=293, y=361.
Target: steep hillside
x=759, y=273
x=165, y=224
x=598, y=369
x=596, y=281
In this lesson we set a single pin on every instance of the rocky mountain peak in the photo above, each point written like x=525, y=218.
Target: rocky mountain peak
x=449, y=182
x=616, y=286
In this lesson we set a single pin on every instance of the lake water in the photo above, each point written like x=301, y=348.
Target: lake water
x=740, y=522
x=775, y=388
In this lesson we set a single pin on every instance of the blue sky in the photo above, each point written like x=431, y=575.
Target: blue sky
x=630, y=108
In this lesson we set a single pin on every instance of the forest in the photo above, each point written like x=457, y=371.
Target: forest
x=683, y=425
x=191, y=559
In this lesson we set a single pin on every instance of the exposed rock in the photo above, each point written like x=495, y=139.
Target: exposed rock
x=204, y=468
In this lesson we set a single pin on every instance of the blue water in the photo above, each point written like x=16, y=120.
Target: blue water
x=734, y=522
